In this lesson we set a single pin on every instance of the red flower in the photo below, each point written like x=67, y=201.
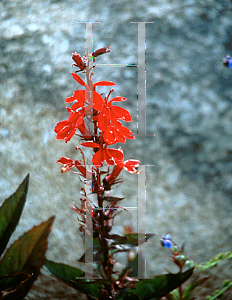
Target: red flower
x=129, y=165
x=68, y=164
x=111, y=113
x=111, y=156
x=117, y=134
x=67, y=128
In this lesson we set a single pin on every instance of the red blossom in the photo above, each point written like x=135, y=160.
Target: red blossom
x=129, y=165
x=67, y=163
x=117, y=134
x=111, y=156
x=111, y=113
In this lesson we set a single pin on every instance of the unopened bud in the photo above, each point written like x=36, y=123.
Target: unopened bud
x=101, y=51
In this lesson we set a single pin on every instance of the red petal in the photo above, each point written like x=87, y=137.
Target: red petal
x=127, y=132
x=120, y=113
x=116, y=99
x=78, y=79
x=116, y=155
x=78, y=95
x=104, y=83
x=90, y=144
x=97, y=101
x=61, y=125
x=64, y=160
x=71, y=134
x=130, y=165
x=70, y=99
x=109, y=136
x=103, y=119
x=98, y=158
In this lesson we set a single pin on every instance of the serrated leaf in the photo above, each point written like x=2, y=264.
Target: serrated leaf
x=27, y=254
x=10, y=213
x=159, y=286
x=68, y=274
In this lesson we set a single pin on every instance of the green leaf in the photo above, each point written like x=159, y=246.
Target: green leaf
x=26, y=255
x=188, y=291
x=68, y=274
x=62, y=271
x=159, y=286
x=10, y=213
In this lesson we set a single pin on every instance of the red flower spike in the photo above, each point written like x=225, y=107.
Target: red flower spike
x=67, y=163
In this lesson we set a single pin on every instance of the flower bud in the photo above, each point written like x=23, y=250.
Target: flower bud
x=101, y=51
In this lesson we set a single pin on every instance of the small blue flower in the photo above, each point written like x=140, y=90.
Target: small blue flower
x=166, y=241
x=167, y=244
x=227, y=61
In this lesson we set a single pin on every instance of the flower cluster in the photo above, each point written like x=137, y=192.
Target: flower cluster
x=89, y=107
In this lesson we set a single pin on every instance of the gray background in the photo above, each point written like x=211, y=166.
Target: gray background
x=189, y=108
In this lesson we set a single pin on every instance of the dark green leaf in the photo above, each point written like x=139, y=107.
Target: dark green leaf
x=21, y=291
x=159, y=286
x=68, y=274
x=62, y=271
x=10, y=213
x=10, y=282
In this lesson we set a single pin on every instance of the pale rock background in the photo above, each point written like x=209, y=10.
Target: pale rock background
x=189, y=108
